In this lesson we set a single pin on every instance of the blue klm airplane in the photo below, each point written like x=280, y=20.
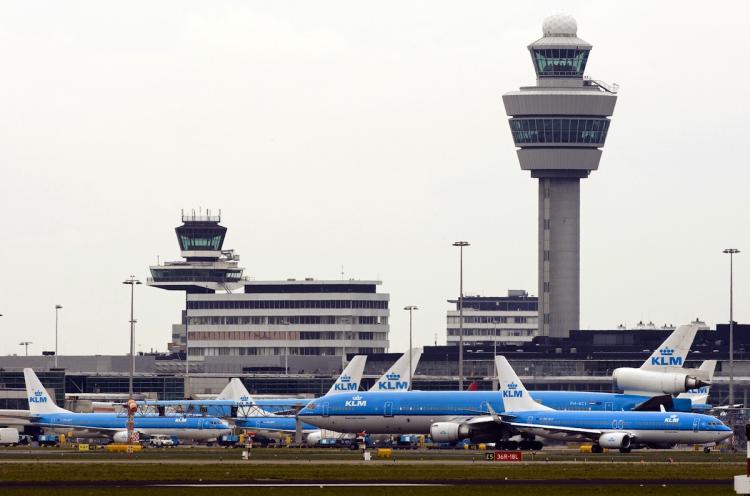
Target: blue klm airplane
x=44, y=413
x=455, y=415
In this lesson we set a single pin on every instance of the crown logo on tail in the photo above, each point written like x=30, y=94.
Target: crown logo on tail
x=512, y=385
x=346, y=378
x=666, y=351
x=393, y=376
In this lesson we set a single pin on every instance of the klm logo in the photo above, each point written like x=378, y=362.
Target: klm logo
x=393, y=382
x=356, y=401
x=512, y=391
x=672, y=419
x=700, y=390
x=666, y=357
x=244, y=399
x=181, y=420
x=38, y=397
x=345, y=384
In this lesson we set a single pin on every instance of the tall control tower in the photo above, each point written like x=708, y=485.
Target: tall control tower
x=560, y=126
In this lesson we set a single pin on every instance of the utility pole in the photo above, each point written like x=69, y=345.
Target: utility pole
x=461, y=245
x=411, y=309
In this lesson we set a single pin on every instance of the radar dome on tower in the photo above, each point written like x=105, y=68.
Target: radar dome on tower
x=560, y=25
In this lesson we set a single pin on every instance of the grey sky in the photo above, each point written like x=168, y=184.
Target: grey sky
x=365, y=134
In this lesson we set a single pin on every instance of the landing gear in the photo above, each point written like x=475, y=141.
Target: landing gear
x=597, y=449
x=625, y=450
x=707, y=449
x=529, y=445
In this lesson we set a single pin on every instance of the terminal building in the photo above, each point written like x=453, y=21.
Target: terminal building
x=584, y=361
x=230, y=315
x=491, y=320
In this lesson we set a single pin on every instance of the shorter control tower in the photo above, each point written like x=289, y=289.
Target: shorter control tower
x=559, y=127
x=207, y=268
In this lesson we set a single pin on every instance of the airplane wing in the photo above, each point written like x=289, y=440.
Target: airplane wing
x=555, y=429
x=654, y=403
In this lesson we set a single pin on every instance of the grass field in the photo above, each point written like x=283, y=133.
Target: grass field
x=562, y=472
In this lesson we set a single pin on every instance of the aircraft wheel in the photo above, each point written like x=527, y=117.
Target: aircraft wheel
x=596, y=449
x=537, y=445
x=707, y=449
x=625, y=450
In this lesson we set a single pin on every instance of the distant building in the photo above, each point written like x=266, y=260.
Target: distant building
x=511, y=319
x=228, y=314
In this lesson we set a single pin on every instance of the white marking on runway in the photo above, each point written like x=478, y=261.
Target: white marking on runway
x=303, y=484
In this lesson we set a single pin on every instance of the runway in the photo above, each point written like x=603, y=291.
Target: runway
x=359, y=483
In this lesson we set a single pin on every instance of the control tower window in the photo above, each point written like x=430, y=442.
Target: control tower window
x=556, y=131
x=200, y=242
x=560, y=62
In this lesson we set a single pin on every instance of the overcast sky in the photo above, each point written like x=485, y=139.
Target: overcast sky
x=365, y=134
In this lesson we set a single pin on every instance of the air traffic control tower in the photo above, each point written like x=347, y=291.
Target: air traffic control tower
x=559, y=127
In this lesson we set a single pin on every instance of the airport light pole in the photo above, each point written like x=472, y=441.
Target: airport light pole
x=132, y=282
x=57, y=310
x=24, y=343
x=411, y=309
x=731, y=252
x=461, y=245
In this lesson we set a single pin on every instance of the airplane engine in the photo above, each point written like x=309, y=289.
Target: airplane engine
x=629, y=379
x=120, y=437
x=615, y=440
x=313, y=438
x=443, y=432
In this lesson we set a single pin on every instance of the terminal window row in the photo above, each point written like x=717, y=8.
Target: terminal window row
x=287, y=319
x=283, y=304
x=576, y=131
x=490, y=319
x=278, y=351
x=283, y=336
x=491, y=332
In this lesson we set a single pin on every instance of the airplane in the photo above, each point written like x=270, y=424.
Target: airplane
x=416, y=411
x=623, y=430
x=45, y=414
x=663, y=372
x=235, y=401
x=396, y=378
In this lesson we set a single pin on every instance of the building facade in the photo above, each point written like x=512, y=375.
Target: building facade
x=227, y=314
x=490, y=320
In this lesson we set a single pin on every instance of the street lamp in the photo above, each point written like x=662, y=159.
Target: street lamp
x=731, y=252
x=24, y=343
x=132, y=282
x=57, y=310
x=411, y=309
x=461, y=245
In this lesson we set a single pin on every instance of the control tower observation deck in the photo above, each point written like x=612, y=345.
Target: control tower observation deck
x=206, y=268
x=559, y=127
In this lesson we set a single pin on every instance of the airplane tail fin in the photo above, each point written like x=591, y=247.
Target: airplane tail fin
x=39, y=400
x=515, y=396
x=674, y=350
x=709, y=367
x=235, y=391
x=396, y=378
x=699, y=396
x=351, y=376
